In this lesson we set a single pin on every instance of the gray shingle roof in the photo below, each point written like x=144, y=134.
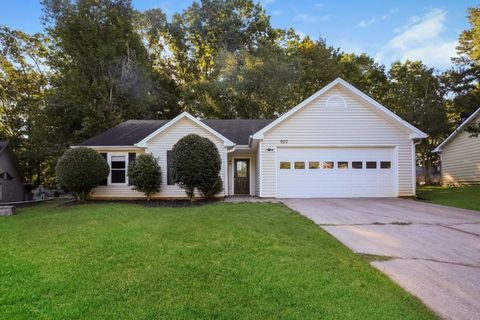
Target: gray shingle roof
x=132, y=131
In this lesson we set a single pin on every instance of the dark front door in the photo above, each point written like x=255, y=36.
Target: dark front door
x=241, y=176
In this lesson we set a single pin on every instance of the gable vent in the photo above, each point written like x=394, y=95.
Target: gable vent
x=336, y=101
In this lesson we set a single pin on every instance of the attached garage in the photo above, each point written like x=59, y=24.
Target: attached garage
x=336, y=172
x=337, y=143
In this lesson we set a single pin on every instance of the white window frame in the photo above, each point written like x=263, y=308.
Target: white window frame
x=109, y=157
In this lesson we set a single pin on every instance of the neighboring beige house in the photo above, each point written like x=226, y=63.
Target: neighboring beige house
x=460, y=155
x=337, y=143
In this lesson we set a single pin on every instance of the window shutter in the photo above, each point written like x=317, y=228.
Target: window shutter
x=169, y=168
x=104, y=182
x=131, y=158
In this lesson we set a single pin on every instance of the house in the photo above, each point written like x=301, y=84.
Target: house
x=12, y=187
x=460, y=155
x=337, y=143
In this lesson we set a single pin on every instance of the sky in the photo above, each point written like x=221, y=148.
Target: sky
x=386, y=30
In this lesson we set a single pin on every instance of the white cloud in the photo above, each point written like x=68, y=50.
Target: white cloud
x=368, y=22
x=427, y=29
x=309, y=18
x=421, y=39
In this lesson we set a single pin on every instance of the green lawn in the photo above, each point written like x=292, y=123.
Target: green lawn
x=460, y=197
x=219, y=261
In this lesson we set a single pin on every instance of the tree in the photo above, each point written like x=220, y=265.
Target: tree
x=462, y=82
x=145, y=175
x=102, y=72
x=315, y=62
x=203, y=30
x=23, y=86
x=79, y=170
x=363, y=72
x=469, y=41
x=416, y=95
x=196, y=164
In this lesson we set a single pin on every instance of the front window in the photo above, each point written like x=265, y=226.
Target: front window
x=118, y=165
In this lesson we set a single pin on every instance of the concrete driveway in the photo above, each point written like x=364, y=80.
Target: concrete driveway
x=434, y=250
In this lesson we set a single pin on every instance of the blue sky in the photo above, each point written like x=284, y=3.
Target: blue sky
x=386, y=30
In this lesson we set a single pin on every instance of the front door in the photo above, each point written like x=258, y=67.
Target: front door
x=241, y=176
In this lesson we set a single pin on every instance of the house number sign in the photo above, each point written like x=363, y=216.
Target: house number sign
x=284, y=141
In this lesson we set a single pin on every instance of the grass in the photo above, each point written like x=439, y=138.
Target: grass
x=218, y=261
x=460, y=197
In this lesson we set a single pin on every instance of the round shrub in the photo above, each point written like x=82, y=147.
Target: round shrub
x=196, y=164
x=144, y=175
x=79, y=170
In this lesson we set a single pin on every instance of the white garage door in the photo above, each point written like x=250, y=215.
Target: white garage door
x=335, y=172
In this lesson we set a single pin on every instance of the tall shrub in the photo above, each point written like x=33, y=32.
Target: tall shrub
x=144, y=175
x=196, y=165
x=79, y=170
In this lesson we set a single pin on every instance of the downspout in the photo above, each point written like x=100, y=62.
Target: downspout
x=415, y=143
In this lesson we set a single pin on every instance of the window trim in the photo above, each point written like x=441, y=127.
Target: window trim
x=109, y=157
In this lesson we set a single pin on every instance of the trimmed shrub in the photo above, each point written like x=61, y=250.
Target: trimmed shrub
x=209, y=190
x=196, y=164
x=79, y=170
x=144, y=175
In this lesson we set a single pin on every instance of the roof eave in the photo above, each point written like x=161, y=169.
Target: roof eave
x=143, y=143
x=440, y=147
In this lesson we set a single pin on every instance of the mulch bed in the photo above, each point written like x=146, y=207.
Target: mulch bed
x=152, y=203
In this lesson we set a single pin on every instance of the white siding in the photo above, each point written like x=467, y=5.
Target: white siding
x=357, y=124
x=116, y=191
x=461, y=160
x=159, y=146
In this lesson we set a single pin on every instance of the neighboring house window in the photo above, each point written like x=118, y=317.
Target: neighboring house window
x=169, y=168
x=118, y=168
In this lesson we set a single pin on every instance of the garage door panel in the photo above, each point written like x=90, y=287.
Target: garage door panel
x=351, y=182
